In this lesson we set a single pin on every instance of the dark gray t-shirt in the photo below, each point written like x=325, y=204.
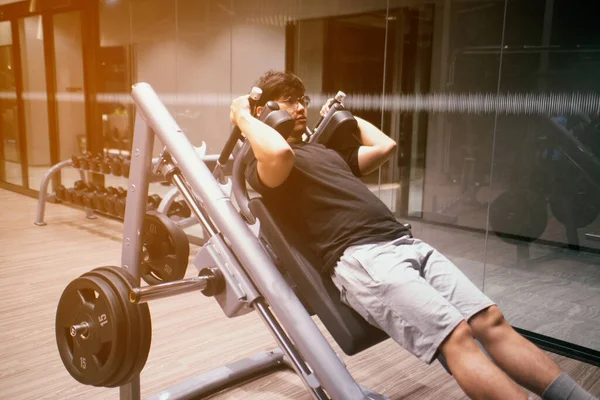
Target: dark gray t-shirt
x=323, y=201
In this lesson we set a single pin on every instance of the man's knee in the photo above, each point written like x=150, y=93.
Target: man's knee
x=460, y=340
x=488, y=323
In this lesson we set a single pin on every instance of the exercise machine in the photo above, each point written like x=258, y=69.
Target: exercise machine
x=236, y=267
x=249, y=262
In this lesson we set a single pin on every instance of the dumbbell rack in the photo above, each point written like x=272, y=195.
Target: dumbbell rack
x=163, y=207
x=44, y=196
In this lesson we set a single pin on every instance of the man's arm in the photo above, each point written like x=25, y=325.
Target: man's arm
x=376, y=149
x=274, y=156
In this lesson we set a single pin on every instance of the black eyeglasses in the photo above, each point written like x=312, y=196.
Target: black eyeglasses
x=293, y=101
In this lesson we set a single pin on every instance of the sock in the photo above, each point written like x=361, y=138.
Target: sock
x=563, y=387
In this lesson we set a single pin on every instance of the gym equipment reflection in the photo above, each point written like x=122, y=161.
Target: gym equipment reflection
x=564, y=177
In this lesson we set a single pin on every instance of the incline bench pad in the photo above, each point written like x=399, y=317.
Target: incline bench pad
x=352, y=333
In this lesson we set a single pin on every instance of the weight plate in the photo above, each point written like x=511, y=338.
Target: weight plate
x=574, y=209
x=145, y=327
x=93, y=355
x=165, y=248
x=521, y=215
x=137, y=336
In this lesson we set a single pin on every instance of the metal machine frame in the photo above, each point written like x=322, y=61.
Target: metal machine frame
x=252, y=281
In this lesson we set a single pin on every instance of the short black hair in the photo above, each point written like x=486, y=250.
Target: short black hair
x=278, y=84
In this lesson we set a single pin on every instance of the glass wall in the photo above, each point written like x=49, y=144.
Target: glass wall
x=545, y=173
x=35, y=98
x=10, y=162
x=494, y=106
x=70, y=105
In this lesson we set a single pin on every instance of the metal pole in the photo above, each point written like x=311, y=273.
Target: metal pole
x=39, y=217
x=224, y=377
x=137, y=196
x=187, y=195
x=167, y=289
x=295, y=359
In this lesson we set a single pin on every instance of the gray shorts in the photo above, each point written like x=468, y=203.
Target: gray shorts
x=409, y=290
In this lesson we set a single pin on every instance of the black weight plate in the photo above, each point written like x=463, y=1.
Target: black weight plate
x=130, y=319
x=91, y=360
x=575, y=209
x=137, y=345
x=519, y=214
x=144, y=331
x=166, y=249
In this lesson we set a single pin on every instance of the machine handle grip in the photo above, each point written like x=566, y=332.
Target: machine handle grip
x=236, y=134
x=338, y=98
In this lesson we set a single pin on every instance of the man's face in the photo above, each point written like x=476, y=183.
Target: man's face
x=296, y=107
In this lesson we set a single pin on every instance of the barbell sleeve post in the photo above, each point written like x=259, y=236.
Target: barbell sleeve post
x=82, y=329
x=167, y=289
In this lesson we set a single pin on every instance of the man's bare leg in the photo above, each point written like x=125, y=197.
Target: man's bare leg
x=475, y=373
x=519, y=358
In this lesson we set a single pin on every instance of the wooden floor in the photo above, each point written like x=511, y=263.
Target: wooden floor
x=190, y=333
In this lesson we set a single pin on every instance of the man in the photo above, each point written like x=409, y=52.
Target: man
x=397, y=283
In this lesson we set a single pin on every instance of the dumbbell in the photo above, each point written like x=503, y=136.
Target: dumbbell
x=153, y=202
x=75, y=162
x=60, y=192
x=179, y=208
x=89, y=196
x=98, y=200
x=116, y=165
x=102, y=164
x=84, y=161
x=95, y=164
x=107, y=199
x=81, y=190
x=121, y=202
x=75, y=194
x=68, y=194
x=126, y=167
x=105, y=166
x=115, y=201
